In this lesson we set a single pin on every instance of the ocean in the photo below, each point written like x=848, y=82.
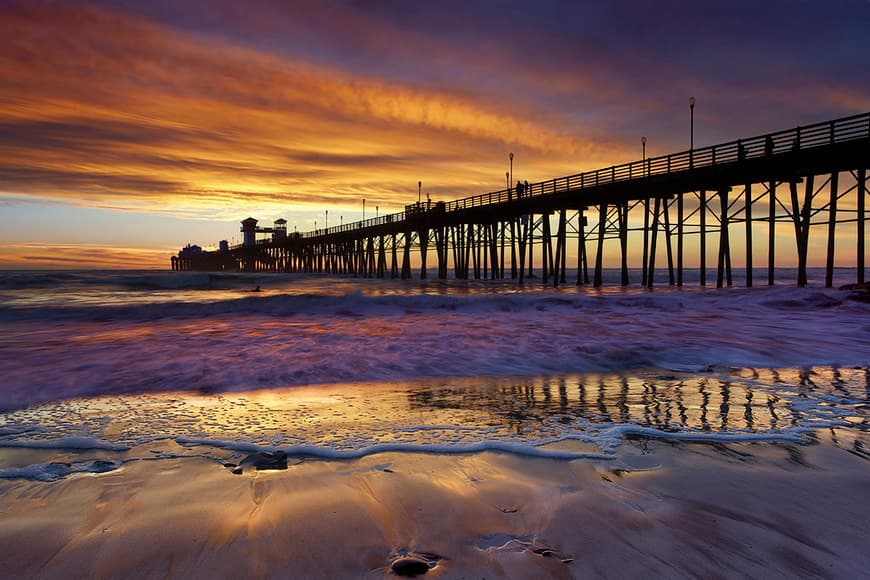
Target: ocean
x=106, y=370
x=70, y=337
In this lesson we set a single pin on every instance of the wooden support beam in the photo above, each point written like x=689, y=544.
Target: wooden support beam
x=832, y=222
x=445, y=250
x=469, y=244
x=559, y=250
x=806, y=214
x=493, y=251
x=456, y=242
x=546, y=248
x=771, y=232
x=599, y=253
x=801, y=218
x=622, y=214
x=564, y=226
x=643, y=276
x=582, y=266
x=747, y=205
x=524, y=236
x=406, y=259
x=423, y=234
x=702, y=212
x=651, y=268
x=382, y=257
x=371, y=257
x=531, y=242
x=724, y=244
x=513, y=249
x=485, y=242
x=666, y=208
x=680, y=220
x=475, y=252
x=862, y=193
x=501, y=230
x=394, y=269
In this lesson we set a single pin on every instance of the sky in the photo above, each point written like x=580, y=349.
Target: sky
x=129, y=129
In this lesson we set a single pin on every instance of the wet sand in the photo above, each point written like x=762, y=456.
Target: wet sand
x=661, y=509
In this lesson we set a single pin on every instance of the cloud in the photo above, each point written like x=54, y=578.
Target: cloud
x=220, y=108
x=78, y=256
x=113, y=110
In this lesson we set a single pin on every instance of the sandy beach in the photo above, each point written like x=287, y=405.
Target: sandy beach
x=660, y=509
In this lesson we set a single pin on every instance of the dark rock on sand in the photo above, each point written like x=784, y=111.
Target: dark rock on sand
x=413, y=564
x=409, y=566
x=263, y=460
x=102, y=466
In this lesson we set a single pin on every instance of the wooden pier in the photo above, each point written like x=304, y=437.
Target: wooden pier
x=812, y=177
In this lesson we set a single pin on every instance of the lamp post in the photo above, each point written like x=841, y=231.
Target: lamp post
x=691, y=131
x=643, y=145
x=341, y=220
x=364, y=209
x=511, y=175
x=419, y=191
x=376, y=212
x=327, y=219
x=507, y=179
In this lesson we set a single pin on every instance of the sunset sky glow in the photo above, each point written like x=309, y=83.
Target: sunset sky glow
x=129, y=128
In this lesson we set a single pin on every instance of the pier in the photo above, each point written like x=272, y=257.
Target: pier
x=812, y=177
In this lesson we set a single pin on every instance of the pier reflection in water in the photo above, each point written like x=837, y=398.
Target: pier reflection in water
x=745, y=400
x=595, y=411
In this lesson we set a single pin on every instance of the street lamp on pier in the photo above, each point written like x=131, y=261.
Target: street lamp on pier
x=376, y=212
x=691, y=131
x=511, y=176
x=327, y=219
x=419, y=191
x=643, y=145
x=507, y=179
x=364, y=209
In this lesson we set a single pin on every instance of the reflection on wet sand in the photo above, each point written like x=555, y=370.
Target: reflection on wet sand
x=463, y=415
x=747, y=401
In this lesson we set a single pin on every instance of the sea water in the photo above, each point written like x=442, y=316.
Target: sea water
x=103, y=364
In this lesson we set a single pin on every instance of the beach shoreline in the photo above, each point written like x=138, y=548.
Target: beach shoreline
x=772, y=509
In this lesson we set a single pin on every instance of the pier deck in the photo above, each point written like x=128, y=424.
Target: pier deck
x=814, y=177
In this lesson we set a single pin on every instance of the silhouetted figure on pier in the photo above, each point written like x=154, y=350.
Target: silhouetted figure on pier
x=526, y=190
x=257, y=289
x=741, y=151
x=519, y=189
x=768, y=146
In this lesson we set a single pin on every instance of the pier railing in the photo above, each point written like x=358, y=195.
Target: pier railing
x=789, y=141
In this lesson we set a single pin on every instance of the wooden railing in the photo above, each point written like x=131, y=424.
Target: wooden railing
x=782, y=142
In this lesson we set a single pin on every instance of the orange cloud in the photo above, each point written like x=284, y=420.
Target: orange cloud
x=105, y=110
x=81, y=256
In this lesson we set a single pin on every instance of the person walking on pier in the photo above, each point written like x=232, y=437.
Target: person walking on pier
x=519, y=189
x=768, y=146
x=526, y=189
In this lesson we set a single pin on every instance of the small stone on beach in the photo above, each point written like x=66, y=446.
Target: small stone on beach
x=410, y=566
x=264, y=460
